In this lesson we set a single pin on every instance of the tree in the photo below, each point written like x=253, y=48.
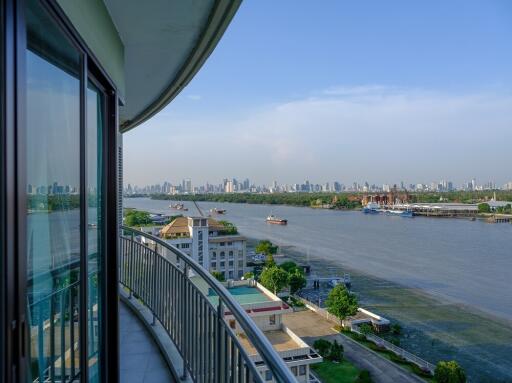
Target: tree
x=449, y=372
x=274, y=279
x=249, y=275
x=366, y=328
x=341, y=302
x=484, y=208
x=269, y=260
x=289, y=266
x=296, y=281
x=323, y=346
x=336, y=352
x=229, y=228
x=137, y=218
x=266, y=247
x=218, y=276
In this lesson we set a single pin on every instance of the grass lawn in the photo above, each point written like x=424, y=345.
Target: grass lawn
x=330, y=372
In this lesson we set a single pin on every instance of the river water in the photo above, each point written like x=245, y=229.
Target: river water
x=464, y=261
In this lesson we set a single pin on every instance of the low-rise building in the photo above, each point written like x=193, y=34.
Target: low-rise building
x=266, y=310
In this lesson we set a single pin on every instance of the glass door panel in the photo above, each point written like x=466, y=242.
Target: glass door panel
x=94, y=128
x=52, y=148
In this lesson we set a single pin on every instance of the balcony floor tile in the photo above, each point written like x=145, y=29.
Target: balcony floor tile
x=141, y=360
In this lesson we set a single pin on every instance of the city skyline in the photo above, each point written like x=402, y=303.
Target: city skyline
x=409, y=91
x=234, y=185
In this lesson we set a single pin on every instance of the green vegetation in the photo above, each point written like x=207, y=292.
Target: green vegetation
x=341, y=302
x=322, y=346
x=329, y=351
x=229, y=228
x=248, y=275
x=366, y=328
x=218, y=276
x=266, y=247
x=136, y=218
x=396, y=329
x=364, y=377
x=484, y=208
x=344, y=200
x=331, y=372
x=56, y=202
x=507, y=209
x=294, y=302
x=274, y=278
x=449, y=372
x=296, y=281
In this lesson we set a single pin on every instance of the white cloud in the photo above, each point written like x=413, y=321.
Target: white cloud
x=373, y=133
x=194, y=97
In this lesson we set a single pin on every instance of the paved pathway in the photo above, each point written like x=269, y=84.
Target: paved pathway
x=311, y=326
x=141, y=361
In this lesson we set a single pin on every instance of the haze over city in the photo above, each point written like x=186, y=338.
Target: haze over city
x=365, y=92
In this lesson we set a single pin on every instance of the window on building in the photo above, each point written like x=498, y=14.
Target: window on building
x=231, y=274
x=272, y=319
x=240, y=264
x=230, y=243
x=223, y=243
x=222, y=255
x=231, y=254
x=223, y=264
x=231, y=263
x=213, y=265
x=294, y=370
x=302, y=370
x=268, y=375
x=214, y=255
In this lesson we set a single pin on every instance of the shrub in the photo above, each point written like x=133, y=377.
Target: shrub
x=449, y=372
x=336, y=352
x=366, y=328
x=323, y=347
x=364, y=377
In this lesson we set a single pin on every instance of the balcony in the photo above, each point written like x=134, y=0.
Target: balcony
x=183, y=309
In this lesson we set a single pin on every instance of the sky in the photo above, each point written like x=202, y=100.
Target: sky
x=377, y=91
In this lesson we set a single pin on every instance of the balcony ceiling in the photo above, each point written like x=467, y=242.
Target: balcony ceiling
x=165, y=43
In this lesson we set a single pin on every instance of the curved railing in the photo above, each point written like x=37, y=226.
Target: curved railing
x=177, y=289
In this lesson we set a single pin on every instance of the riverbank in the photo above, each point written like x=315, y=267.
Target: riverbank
x=433, y=327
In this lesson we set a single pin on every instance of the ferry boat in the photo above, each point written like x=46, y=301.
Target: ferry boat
x=371, y=208
x=276, y=221
x=178, y=206
x=217, y=211
x=400, y=213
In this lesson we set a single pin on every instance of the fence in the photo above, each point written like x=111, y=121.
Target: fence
x=176, y=289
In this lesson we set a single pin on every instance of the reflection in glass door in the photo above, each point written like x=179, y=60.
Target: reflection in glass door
x=53, y=232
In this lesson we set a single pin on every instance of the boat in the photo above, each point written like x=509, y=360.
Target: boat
x=400, y=213
x=217, y=211
x=178, y=206
x=371, y=208
x=276, y=220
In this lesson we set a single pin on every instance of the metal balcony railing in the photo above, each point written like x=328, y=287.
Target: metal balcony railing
x=176, y=289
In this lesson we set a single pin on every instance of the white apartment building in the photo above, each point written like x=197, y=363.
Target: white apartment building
x=206, y=241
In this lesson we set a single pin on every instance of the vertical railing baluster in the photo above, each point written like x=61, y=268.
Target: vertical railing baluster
x=184, y=324
x=72, y=333
x=40, y=341
x=62, y=338
x=218, y=340
x=52, y=339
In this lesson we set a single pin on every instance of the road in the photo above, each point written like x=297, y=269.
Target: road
x=311, y=326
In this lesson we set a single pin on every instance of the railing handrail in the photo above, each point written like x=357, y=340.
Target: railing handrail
x=260, y=342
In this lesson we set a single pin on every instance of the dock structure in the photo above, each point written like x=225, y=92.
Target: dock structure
x=500, y=219
x=438, y=209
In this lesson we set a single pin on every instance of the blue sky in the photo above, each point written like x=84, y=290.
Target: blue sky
x=382, y=91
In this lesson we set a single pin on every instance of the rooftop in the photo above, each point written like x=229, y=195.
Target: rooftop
x=280, y=340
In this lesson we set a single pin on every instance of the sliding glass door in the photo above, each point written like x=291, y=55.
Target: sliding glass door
x=65, y=117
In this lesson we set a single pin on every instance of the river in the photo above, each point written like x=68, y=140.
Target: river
x=464, y=261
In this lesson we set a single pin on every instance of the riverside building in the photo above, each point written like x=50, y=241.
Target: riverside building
x=205, y=240
x=74, y=77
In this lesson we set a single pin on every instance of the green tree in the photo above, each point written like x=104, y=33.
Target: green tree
x=323, y=346
x=274, y=278
x=449, y=372
x=266, y=247
x=289, y=266
x=269, y=260
x=336, y=352
x=137, y=218
x=296, y=281
x=218, y=276
x=484, y=208
x=341, y=302
x=249, y=275
x=366, y=328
